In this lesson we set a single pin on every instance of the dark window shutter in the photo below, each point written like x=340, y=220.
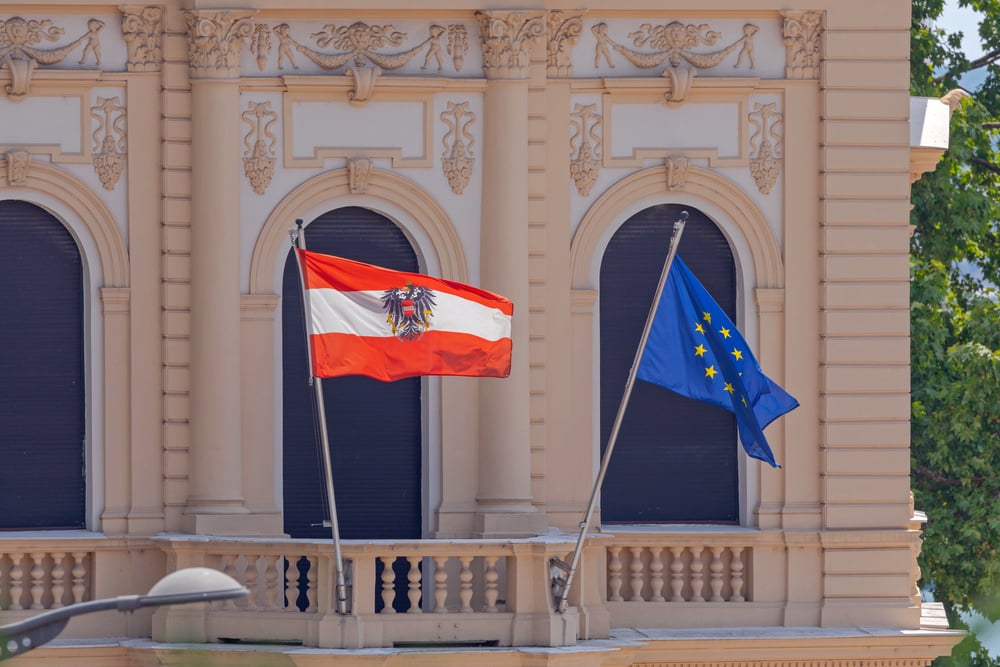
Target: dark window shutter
x=374, y=427
x=676, y=458
x=42, y=421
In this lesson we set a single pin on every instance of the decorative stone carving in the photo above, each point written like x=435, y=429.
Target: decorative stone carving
x=142, y=29
x=801, y=33
x=18, y=161
x=673, y=43
x=505, y=38
x=457, y=161
x=677, y=171
x=215, y=41
x=458, y=45
x=358, y=171
x=259, y=154
x=765, y=146
x=953, y=98
x=585, y=147
x=19, y=55
x=109, y=140
x=563, y=32
x=260, y=45
x=364, y=84
x=359, y=43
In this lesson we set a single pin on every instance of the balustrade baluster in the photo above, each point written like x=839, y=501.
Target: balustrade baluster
x=440, y=584
x=655, y=575
x=229, y=567
x=677, y=574
x=736, y=575
x=388, y=584
x=413, y=577
x=635, y=578
x=310, y=582
x=715, y=580
x=79, y=573
x=58, y=580
x=465, y=584
x=697, y=580
x=614, y=574
x=492, y=577
x=252, y=582
x=271, y=581
x=16, y=580
x=37, y=581
x=291, y=568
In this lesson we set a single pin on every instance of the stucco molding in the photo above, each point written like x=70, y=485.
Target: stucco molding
x=700, y=184
x=142, y=30
x=801, y=33
x=326, y=189
x=215, y=42
x=91, y=211
x=505, y=39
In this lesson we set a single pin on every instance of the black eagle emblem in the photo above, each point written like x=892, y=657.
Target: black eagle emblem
x=408, y=310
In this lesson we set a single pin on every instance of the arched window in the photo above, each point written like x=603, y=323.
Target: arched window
x=676, y=458
x=374, y=427
x=42, y=384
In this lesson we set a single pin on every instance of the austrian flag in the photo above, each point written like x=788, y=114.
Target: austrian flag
x=389, y=325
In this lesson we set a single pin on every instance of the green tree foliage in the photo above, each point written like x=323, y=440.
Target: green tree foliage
x=955, y=326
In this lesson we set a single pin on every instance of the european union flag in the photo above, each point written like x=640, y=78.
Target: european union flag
x=694, y=350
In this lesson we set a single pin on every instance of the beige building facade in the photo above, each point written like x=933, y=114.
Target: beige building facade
x=157, y=415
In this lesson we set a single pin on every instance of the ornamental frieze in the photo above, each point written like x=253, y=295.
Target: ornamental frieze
x=362, y=44
x=20, y=56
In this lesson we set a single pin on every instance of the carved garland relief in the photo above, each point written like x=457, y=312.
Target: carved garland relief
x=457, y=161
x=109, y=140
x=765, y=146
x=674, y=43
x=259, y=156
x=585, y=147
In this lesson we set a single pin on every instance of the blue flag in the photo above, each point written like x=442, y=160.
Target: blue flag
x=694, y=350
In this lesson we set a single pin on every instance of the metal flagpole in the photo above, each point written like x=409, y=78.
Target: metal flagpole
x=561, y=585
x=299, y=241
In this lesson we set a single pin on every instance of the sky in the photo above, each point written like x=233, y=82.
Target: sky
x=954, y=19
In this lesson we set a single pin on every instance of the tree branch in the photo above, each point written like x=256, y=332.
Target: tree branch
x=985, y=164
x=981, y=61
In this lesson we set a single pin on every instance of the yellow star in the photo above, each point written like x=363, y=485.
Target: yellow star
x=738, y=354
x=728, y=388
x=710, y=372
x=707, y=317
x=725, y=332
x=700, y=351
x=699, y=329
x=744, y=399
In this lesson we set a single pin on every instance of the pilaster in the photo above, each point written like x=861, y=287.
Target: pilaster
x=504, y=501
x=215, y=500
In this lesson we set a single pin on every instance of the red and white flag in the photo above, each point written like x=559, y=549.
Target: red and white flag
x=389, y=325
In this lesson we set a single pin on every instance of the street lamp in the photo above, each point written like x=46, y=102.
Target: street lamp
x=193, y=584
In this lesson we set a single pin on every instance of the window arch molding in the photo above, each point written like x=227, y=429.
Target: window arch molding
x=105, y=258
x=733, y=211
x=760, y=273
x=385, y=193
